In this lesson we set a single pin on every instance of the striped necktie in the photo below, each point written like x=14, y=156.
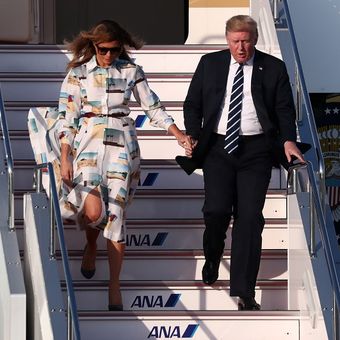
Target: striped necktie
x=234, y=115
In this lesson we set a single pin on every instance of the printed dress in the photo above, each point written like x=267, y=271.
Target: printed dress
x=93, y=119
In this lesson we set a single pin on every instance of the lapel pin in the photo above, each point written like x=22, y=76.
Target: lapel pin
x=260, y=68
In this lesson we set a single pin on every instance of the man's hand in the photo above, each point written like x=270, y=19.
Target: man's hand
x=292, y=150
x=183, y=140
x=189, y=149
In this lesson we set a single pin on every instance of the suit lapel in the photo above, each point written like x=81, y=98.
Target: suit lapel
x=257, y=90
x=221, y=74
x=217, y=81
x=257, y=76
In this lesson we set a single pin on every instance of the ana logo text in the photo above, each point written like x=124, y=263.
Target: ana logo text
x=139, y=240
x=169, y=332
x=155, y=301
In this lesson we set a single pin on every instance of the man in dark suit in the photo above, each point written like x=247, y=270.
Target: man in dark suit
x=239, y=111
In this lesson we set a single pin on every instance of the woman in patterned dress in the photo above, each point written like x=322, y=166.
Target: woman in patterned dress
x=100, y=159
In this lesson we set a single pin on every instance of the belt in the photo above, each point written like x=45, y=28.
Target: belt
x=114, y=115
x=251, y=137
x=221, y=138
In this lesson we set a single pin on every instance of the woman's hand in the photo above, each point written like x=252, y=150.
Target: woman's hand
x=183, y=140
x=66, y=166
x=66, y=171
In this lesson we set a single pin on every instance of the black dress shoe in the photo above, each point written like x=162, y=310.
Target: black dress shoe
x=210, y=272
x=248, y=303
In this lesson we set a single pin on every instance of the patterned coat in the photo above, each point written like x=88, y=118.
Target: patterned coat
x=93, y=118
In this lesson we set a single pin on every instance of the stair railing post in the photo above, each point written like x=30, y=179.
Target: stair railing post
x=39, y=187
x=10, y=164
x=275, y=9
x=52, y=227
x=72, y=305
x=56, y=224
x=38, y=180
x=299, y=116
x=312, y=222
x=336, y=319
x=69, y=321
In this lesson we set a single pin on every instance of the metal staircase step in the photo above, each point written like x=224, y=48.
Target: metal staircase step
x=176, y=237
x=263, y=325
x=52, y=58
x=37, y=87
x=175, y=265
x=17, y=116
x=155, y=174
x=167, y=146
x=176, y=295
x=169, y=235
x=154, y=204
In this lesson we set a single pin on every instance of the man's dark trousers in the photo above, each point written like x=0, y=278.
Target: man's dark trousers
x=236, y=185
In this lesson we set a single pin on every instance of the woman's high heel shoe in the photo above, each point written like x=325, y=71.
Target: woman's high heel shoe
x=87, y=273
x=115, y=298
x=115, y=308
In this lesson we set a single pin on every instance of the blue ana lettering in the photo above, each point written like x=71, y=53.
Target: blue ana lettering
x=138, y=240
x=147, y=301
x=173, y=332
x=165, y=332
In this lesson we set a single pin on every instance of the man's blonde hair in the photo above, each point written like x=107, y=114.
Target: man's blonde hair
x=242, y=23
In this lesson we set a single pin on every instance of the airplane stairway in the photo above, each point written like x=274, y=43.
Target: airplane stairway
x=161, y=277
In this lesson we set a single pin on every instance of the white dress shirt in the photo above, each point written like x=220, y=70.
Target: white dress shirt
x=250, y=124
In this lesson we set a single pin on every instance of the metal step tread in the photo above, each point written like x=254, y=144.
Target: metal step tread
x=27, y=104
x=24, y=48
x=101, y=254
x=174, y=193
x=193, y=315
x=164, y=284
x=52, y=76
x=151, y=163
x=167, y=223
x=23, y=134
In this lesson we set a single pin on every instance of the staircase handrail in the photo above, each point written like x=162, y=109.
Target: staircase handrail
x=328, y=239
x=320, y=166
x=10, y=166
x=327, y=231
x=72, y=314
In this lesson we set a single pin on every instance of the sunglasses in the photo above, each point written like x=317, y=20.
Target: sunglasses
x=104, y=50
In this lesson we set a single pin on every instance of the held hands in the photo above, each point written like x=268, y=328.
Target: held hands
x=185, y=141
x=190, y=147
x=292, y=150
x=188, y=143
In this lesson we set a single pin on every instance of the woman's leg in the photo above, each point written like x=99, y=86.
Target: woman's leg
x=92, y=212
x=115, y=252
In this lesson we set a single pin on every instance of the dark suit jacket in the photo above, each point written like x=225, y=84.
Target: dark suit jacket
x=271, y=94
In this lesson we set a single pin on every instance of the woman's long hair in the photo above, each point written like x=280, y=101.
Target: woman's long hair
x=83, y=49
